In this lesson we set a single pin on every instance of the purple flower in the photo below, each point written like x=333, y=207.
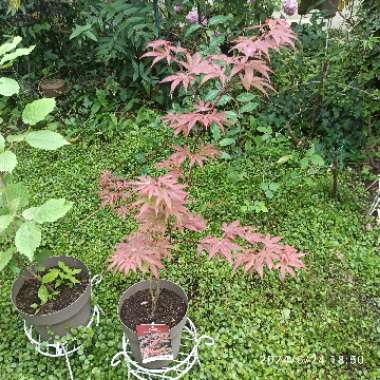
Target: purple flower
x=193, y=18
x=178, y=8
x=289, y=7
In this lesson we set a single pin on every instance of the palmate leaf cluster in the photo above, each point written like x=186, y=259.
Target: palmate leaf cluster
x=20, y=227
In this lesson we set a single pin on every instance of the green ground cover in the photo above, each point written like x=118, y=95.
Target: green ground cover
x=327, y=312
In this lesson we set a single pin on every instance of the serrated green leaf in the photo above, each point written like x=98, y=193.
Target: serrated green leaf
x=216, y=133
x=5, y=257
x=46, y=140
x=50, y=276
x=211, y=95
x=8, y=161
x=37, y=110
x=8, y=86
x=17, y=196
x=231, y=115
x=249, y=107
x=49, y=212
x=216, y=20
x=245, y=97
x=226, y=141
x=79, y=29
x=224, y=100
x=43, y=294
x=28, y=239
x=192, y=29
x=5, y=221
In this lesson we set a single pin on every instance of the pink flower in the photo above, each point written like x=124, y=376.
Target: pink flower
x=290, y=7
x=193, y=18
x=251, y=1
x=178, y=8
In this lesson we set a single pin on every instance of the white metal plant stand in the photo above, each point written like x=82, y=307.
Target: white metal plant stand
x=186, y=359
x=62, y=349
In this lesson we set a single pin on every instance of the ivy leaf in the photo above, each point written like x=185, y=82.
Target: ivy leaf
x=28, y=239
x=8, y=161
x=37, y=110
x=50, y=276
x=5, y=257
x=45, y=139
x=5, y=221
x=43, y=294
x=8, y=86
x=49, y=212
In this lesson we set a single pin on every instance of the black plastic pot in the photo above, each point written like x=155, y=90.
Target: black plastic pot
x=175, y=332
x=60, y=322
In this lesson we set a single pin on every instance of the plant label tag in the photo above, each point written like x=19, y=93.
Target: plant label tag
x=155, y=343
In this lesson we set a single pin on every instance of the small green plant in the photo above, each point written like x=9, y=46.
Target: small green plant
x=52, y=280
x=20, y=227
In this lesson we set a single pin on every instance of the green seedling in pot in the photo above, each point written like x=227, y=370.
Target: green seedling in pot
x=54, y=279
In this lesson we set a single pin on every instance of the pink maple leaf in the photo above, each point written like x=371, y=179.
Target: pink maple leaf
x=289, y=260
x=163, y=50
x=205, y=116
x=140, y=252
x=176, y=79
x=224, y=247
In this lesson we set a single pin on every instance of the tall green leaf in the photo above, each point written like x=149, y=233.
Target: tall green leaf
x=8, y=86
x=28, y=239
x=37, y=110
x=5, y=257
x=8, y=161
x=45, y=139
x=5, y=221
x=50, y=211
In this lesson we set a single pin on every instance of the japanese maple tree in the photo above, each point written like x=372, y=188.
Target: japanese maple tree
x=160, y=204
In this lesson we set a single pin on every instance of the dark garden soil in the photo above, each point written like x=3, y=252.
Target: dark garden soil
x=170, y=309
x=28, y=295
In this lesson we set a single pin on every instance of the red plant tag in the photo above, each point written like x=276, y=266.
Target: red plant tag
x=155, y=342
